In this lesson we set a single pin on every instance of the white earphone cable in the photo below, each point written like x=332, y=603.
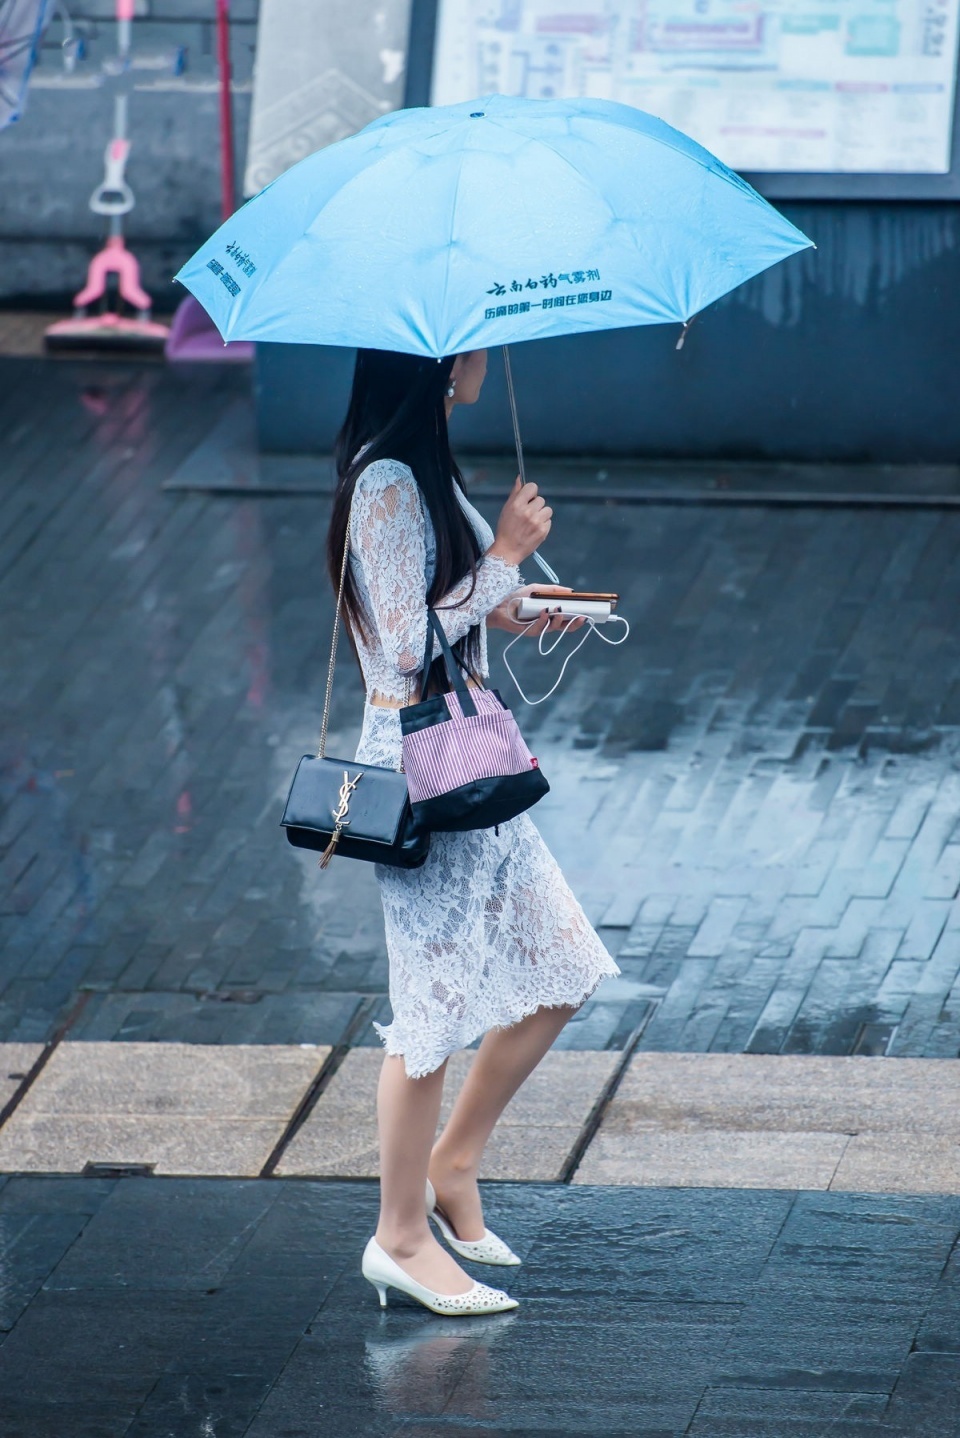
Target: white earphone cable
x=590, y=625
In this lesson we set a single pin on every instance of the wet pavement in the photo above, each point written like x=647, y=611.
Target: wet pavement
x=147, y=1307
x=756, y=799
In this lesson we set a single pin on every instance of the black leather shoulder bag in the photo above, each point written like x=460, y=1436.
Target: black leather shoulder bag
x=342, y=807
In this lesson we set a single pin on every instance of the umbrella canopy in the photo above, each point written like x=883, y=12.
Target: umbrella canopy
x=460, y=227
x=21, y=28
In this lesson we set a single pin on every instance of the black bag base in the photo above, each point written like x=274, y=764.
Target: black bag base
x=412, y=856
x=483, y=803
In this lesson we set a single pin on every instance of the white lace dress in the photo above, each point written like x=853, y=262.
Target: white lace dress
x=487, y=930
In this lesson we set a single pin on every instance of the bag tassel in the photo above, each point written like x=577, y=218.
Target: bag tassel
x=340, y=820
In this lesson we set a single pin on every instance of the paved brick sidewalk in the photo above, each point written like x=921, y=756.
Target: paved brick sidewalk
x=756, y=797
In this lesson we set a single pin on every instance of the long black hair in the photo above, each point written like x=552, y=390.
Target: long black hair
x=397, y=410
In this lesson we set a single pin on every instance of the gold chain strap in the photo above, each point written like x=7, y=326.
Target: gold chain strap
x=333, y=646
x=333, y=643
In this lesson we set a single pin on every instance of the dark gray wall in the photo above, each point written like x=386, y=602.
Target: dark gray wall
x=848, y=352
x=52, y=158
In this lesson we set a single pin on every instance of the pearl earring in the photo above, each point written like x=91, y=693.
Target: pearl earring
x=450, y=391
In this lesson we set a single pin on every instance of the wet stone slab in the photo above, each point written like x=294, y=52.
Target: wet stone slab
x=730, y=1159
x=534, y=1137
x=781, y=1121
x=791, y=1093
x=38, y=1226
x=900, y=1163
x=182, y=1108
x=189, y=1306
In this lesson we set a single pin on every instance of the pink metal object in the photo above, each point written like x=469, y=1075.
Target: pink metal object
x=228, y=189
x=117, y=331
x=116, y=259
x=113, y=198
x=193, y=335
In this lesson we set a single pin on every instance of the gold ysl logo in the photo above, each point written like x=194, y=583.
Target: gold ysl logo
x=346, y=789
x=340, y=820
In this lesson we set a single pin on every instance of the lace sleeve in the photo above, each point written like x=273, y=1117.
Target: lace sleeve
x=388, y=539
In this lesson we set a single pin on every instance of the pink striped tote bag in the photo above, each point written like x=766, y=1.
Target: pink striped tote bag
x=466, y=764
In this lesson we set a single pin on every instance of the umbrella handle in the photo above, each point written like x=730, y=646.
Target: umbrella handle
x=513, y=412
x=551, y=574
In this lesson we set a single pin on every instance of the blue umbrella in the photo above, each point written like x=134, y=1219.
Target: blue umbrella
x=433, y=231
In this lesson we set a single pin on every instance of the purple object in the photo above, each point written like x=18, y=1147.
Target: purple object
x=193, y=336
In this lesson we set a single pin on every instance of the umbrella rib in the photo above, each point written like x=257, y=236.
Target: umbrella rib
x=379, y=155
x=717, y=168
x=453, y=216
x=589, y=181
x=722, y=174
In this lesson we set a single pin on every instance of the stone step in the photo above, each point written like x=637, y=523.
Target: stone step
x=673, y=1120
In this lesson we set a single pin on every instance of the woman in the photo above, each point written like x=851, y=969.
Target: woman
x=485, y=938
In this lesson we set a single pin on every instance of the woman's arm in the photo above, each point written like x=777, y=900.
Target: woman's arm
x=388, y=538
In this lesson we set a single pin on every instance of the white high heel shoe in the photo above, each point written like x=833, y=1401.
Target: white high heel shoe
x=488, y=1249
x=383, y=1272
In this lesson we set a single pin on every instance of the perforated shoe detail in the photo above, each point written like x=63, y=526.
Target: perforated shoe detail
x=478, y=1299
x=488, y=1249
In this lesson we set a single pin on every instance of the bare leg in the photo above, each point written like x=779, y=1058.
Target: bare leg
x=504, y=1059
x=407, y=1113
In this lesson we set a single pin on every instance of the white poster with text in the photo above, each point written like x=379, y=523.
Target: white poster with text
x=823, y=86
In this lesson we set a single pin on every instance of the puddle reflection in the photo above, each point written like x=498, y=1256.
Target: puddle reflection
x=411, y=1370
